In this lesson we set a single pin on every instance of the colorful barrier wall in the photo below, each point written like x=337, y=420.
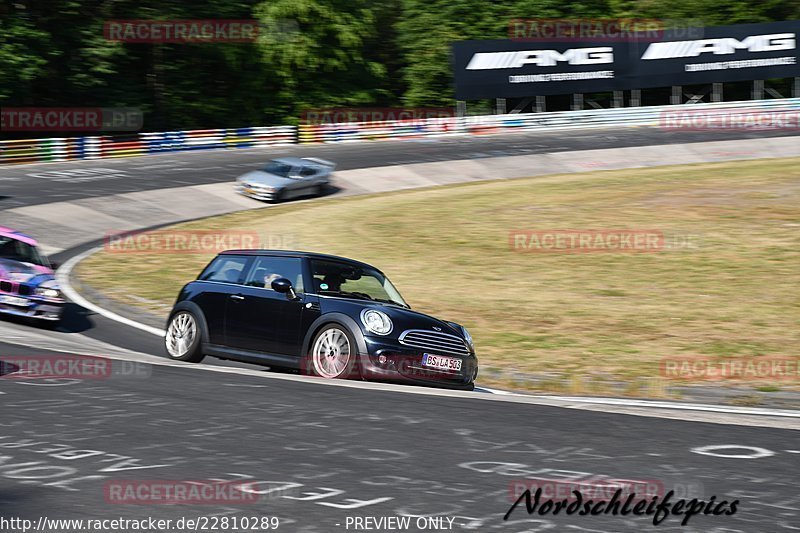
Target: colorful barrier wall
x=669, y=117
x=134, y=144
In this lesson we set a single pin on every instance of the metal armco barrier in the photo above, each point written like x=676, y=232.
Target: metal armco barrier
x=100, y=147
x=488, y=124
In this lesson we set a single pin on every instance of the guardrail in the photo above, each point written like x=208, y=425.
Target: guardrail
x=487, y=124
x=100, y=147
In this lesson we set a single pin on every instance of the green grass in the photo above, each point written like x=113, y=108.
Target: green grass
x=733, y=292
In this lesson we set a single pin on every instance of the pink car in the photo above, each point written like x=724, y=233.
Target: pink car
x=27, y=283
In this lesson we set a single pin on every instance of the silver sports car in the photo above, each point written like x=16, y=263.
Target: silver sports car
x=286, y=178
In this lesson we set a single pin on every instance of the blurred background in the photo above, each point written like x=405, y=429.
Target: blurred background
x=308, y=53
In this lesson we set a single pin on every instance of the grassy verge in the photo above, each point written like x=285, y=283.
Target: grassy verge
x=725, y=285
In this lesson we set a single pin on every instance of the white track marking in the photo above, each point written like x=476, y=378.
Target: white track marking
x=58, y=341
x=577, y=402
x=685, y=411
x=681, y=406
x=755, y=453
x=75, y=343
x=62, y=275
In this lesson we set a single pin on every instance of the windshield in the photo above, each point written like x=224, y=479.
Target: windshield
x=279, y=169
x=20, y=251
x=352, y=281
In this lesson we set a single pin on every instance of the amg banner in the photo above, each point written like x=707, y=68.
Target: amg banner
x=508, y=69
x=725, y=53
x=512, y=68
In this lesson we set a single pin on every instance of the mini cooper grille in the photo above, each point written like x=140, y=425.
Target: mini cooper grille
x=434, y=342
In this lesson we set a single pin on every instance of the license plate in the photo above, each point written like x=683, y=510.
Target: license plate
x=13, y=300
x=440, y=362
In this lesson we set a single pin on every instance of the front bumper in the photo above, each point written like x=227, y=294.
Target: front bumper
x=404, y=364
x=256, y=192
x=32, y=308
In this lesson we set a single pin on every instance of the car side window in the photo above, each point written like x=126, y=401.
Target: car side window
x=267, y=269
x=308, y=171
x=225, y=269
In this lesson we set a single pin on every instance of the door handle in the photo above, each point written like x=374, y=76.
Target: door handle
x=237, y=297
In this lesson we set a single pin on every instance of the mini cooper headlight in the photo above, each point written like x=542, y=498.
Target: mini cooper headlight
x=47, y=293
x=376, y=321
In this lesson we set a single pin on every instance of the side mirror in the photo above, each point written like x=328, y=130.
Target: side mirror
x=284, y=286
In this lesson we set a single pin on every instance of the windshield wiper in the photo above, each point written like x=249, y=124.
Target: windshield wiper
x=391, y=302
x=359, y=295
x=365, y=296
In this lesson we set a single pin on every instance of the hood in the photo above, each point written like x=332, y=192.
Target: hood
x=21, y=272
x=401, y=313
x=260, y=177
x=404, y=319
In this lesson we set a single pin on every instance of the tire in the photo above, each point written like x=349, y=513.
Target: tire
x=334, y=354
x=182, y=340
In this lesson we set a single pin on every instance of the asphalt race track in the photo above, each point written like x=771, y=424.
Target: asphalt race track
x=52, y=182
x=320, y=455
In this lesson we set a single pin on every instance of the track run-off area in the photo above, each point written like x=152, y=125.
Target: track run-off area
x=320, y=455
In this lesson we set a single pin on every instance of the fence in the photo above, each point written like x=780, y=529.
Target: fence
x=488, y=124
x=65, y=149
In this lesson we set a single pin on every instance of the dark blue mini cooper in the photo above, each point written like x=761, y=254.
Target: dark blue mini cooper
x=321, y=314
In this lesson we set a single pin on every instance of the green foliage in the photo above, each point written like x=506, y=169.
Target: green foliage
x=324, y=53
x=309, y=53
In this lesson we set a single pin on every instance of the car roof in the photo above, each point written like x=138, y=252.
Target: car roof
x=296, y=162
x=27, y=239
x=308, y=162
x=296, y=253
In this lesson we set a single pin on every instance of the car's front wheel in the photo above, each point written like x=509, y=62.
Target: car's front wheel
x=333, y=353
x=183, y=338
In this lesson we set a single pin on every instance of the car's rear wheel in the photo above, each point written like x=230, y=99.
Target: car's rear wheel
x=333, y=353
x=183, y=338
